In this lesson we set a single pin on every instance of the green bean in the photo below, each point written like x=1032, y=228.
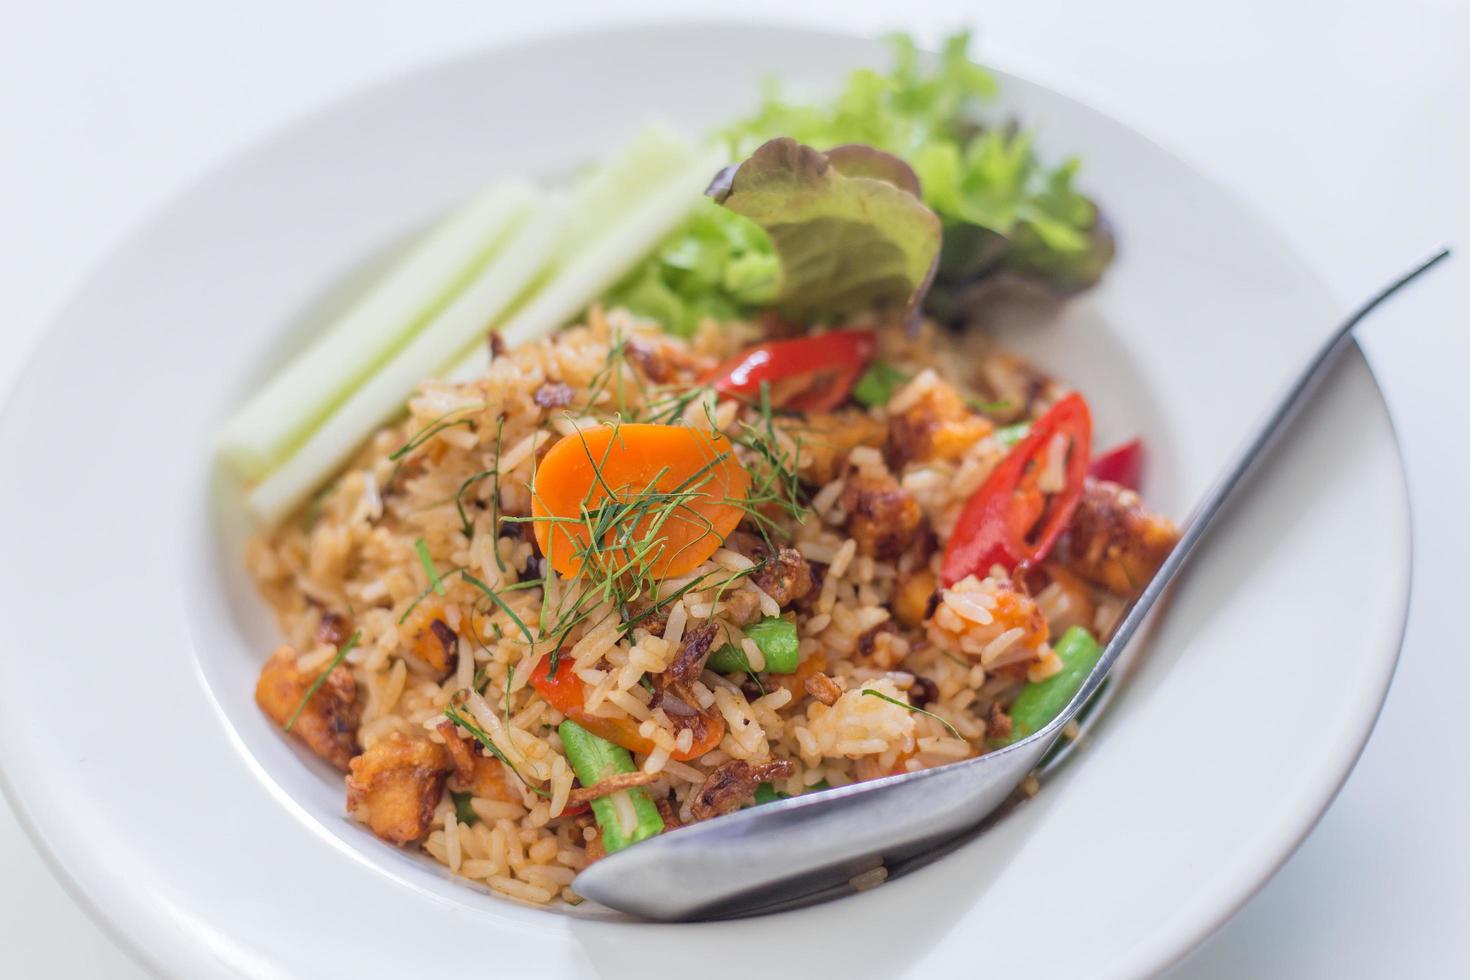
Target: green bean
x=766, y=793
x=776, y=639
x=1038, y=704
x=728, y=659
x=594, y=759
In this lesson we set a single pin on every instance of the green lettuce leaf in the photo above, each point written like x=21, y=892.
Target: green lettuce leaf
x=847, y=227
x=1006, y=213
x=719, y=266
x=1004, y=210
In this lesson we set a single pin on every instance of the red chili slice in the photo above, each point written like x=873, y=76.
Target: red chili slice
x=1010, y=520
x=831, y=361
x=1122, y=465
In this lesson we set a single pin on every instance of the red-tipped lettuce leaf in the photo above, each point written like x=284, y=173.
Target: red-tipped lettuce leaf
x=848, y=226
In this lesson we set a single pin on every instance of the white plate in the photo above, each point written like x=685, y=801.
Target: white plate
x=209, y=846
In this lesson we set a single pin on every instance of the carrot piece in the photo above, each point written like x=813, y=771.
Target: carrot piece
x=796, y=682
x=682, y=487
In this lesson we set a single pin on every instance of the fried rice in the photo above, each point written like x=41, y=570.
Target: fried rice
x=422, y=552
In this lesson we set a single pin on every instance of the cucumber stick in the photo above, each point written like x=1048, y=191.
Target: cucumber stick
x=600, y=262
x=462, y=322
x=548, y=260
x=280, y=415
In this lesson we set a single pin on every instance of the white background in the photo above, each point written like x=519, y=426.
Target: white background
x=1347, y=123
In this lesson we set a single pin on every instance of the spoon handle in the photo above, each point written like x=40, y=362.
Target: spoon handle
x=1235, y=473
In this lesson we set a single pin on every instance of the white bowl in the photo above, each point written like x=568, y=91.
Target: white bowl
x=209, y=845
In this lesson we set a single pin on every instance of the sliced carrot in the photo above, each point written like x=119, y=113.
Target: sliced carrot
x=682, y=489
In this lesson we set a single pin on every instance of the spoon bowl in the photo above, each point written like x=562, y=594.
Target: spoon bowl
x=723, y=867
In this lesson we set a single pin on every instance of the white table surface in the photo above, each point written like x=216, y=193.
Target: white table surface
x=1345, y=122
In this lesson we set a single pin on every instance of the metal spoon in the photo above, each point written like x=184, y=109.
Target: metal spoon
x=767, y=856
